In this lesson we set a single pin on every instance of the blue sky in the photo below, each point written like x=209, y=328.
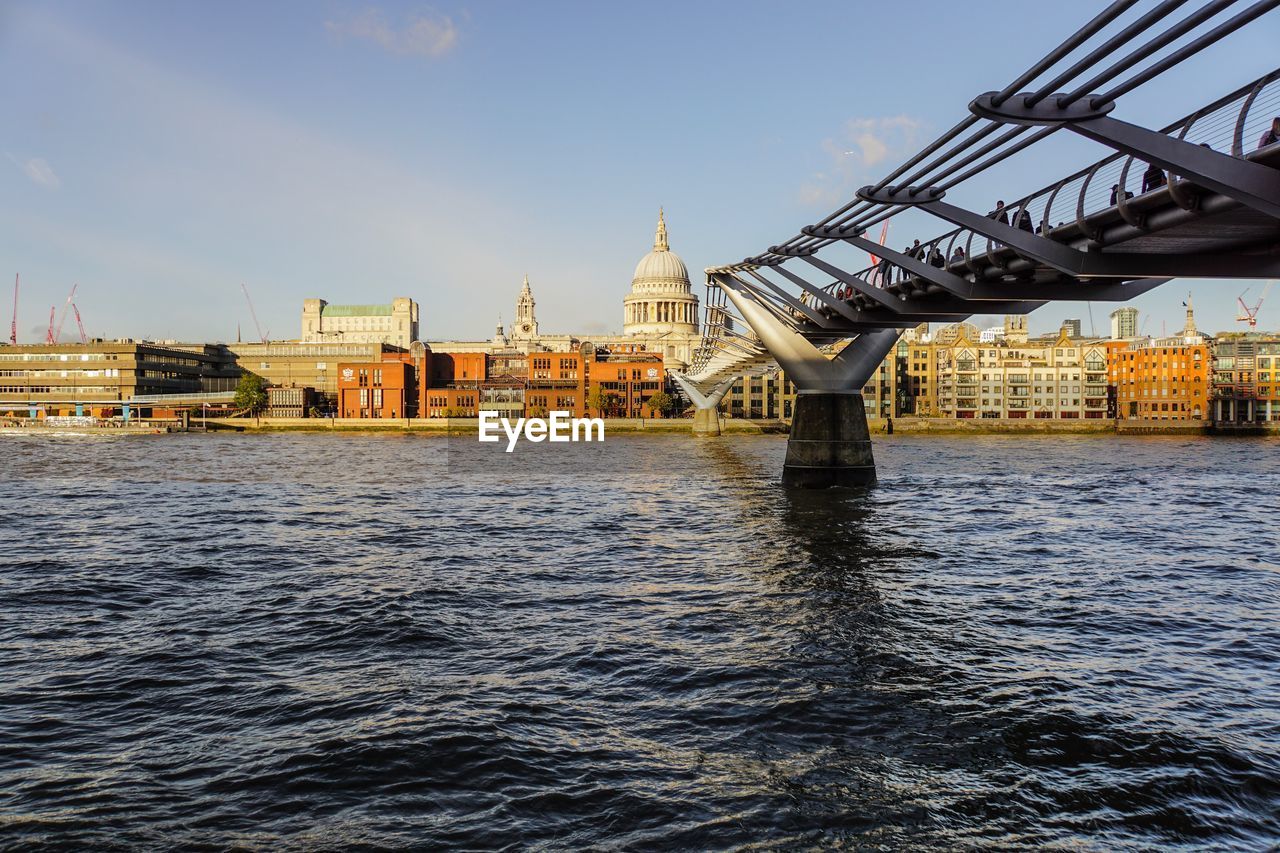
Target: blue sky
x=161, y=154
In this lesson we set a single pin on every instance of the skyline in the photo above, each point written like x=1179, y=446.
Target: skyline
x=354, y=153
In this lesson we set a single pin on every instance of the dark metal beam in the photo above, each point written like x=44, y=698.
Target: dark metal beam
x=1249, y=183
x=814, y=316
x=1077, y=264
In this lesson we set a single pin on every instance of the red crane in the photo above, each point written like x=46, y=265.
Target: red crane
x=84, y=339
x=13, y=327
x=48, y=337
x=262, y=336
x=1250, y=315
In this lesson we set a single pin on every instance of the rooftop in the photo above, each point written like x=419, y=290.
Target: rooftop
x=356, y=311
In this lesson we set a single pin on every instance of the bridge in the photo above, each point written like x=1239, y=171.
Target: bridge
x=1198, y=197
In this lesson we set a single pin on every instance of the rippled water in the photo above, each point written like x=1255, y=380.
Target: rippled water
x=315, y=640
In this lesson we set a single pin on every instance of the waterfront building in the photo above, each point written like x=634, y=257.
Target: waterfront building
x=293, y=364
x=100, y=378
x=290, y=402
x=380, y=389
x=1048, y=378
x=1246, y=378
x=1166, y=379
x=1124, y=323
x=588, y=381
x=395, y=323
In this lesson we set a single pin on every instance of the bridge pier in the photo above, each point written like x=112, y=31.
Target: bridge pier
x=706, y=413
x=830, y=444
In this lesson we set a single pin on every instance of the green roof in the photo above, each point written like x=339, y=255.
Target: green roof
x=356, y=311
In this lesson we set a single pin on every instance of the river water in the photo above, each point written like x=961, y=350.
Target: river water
x=301, y=641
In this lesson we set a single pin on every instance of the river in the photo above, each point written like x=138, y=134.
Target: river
x=313, y=640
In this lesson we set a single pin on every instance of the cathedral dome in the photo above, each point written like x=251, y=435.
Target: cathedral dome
x=661, y=265
x=661, y=302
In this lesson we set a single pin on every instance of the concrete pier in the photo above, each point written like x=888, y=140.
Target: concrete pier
x=830, y=444
x=706, y=422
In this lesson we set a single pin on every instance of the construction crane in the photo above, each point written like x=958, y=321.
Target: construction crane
x=263, y=336
x=84, y=339
x=1250, y=315
x=63, y=319
x=13, y=327
x=48, y=336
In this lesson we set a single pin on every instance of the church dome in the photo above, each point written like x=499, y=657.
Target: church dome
x=661, y=302
x=662, y=264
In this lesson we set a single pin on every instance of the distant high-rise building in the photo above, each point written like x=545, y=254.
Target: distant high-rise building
x=1124, y=324
x=1073, y=328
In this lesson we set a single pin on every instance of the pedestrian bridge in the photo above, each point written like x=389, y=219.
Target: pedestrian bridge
x=1199, y=197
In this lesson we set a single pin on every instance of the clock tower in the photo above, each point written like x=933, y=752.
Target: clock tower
x=526, y=324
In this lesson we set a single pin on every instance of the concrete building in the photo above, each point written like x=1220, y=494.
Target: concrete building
x=290, y=364
x=395, y=324
x=1246, y=378
x=1124, y=323
x=100, y=377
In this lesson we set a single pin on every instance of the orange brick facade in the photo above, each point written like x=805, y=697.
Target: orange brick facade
x=380, y=389
x=583, y=383
x=1165, y=380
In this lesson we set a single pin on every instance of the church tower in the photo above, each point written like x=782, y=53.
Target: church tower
x=526, y=324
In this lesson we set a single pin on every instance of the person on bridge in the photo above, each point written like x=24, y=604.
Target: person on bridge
x=936, y=259
x=958, y=255
x=916, y=251
x=1152, y=178
x=999, y=214
x=1271, y=135
x=1024, y=221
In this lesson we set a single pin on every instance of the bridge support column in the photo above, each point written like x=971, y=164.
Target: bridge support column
x=706, y=413
x=830, y=444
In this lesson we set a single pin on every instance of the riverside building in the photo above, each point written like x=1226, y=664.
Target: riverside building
x=1246, y=378
x=102, y=378
x=1165, y=379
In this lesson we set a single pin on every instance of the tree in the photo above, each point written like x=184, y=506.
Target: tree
x=251, y=393
x=661, y=402
x=601, y=400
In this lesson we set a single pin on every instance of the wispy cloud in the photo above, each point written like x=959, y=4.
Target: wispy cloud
x=861, y=150
x=431, y=35
x=38, y=170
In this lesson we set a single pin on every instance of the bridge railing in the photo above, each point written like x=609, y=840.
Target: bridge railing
x=1232, y=124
